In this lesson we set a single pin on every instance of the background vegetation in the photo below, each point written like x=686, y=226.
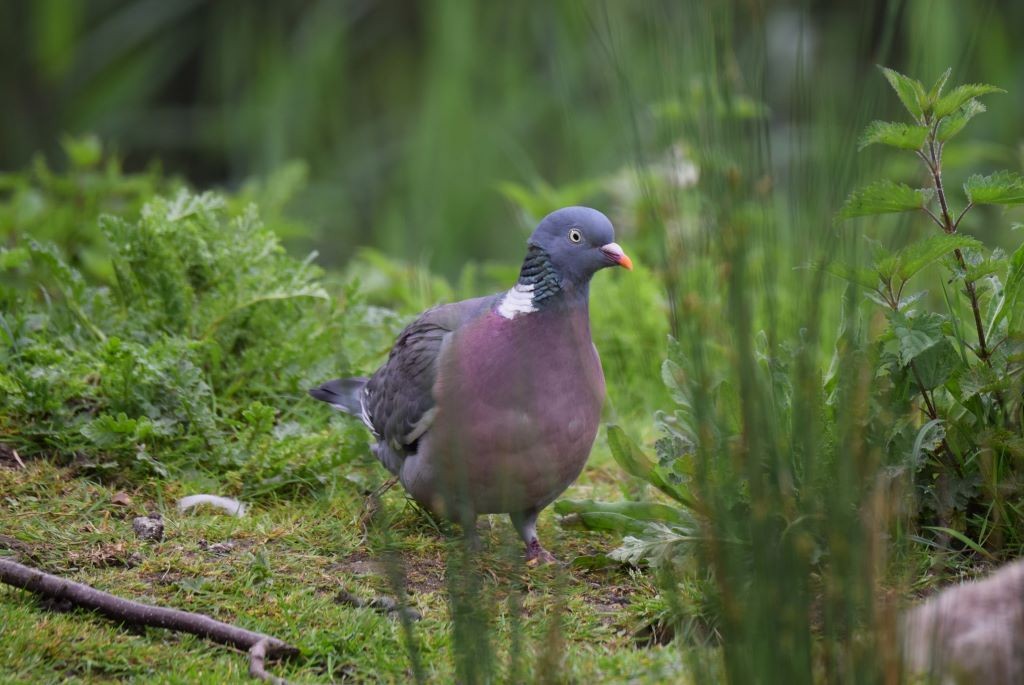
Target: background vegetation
x=808, y=444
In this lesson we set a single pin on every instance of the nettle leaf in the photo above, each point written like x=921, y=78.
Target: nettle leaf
x=985, y=267
x=921, y=253
x=1000, y=188
x=908, y=300
x=915, y=334
x=884, y=197
x=867, y=278
x=910, y=91
x=940, y=83
x=907, y=261
x=955, y=122
x=937, y=363
x=979, y=379
x=959, y=96
x=903, y=136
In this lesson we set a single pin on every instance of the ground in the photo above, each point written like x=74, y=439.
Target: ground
x=280, y=570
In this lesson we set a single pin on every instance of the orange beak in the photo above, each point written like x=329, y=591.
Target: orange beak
x=615, y=253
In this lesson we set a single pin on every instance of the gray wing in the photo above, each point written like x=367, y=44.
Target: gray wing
x=399, y=402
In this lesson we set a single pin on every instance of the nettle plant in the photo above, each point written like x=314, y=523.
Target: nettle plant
x=949, y=377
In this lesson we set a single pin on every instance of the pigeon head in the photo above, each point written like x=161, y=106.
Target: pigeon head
x=576, y=242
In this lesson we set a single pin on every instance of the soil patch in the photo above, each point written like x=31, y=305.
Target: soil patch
x=422, y=574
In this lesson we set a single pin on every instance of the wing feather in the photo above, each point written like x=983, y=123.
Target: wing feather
x=399, y=401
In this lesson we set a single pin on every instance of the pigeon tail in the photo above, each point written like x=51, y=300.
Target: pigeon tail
x=344, y=394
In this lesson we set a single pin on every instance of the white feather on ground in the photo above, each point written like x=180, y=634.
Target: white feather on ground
x=231, y=506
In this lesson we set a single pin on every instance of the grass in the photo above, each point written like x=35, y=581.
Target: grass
x=279, y=570
x=175, y=364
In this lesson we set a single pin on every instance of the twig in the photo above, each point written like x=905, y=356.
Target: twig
x=257, y=657
x=933, y=217
x=372, y=503
x=258, y=645
x=17, y=458
x=384, y=487
x=929, y=405
x=964, y=211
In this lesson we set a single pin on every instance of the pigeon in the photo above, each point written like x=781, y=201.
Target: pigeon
x=491, y=405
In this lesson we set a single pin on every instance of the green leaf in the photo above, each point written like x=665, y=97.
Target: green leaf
x=940, y=83
x=910, y=91
x=978, y=379
x=867, y=278
x=1012, y=291
x=915, y=334
x=928, y=439
x=937, y=363
x=962, y=538
x=642, y=511
x=903, y=136
x=907, y=261
x=955, y=122
x=984, y=267
x=674, y=378
x=1000, y=188
x=884, y=197
x=959, y=96
x=605, y=520
x=634, y=462
x=14, y=257
x=659, y=543
x=83, y=152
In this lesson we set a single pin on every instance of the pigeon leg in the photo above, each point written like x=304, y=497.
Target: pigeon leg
x=526, y=523
x=471, y=538
x=466, y=518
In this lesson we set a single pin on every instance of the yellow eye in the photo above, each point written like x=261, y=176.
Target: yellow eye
x=575, y=236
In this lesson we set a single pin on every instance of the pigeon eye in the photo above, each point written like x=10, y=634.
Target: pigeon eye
x=575, y=236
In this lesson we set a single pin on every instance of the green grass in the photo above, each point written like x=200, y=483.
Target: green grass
x=279, y=569
x=167, y=353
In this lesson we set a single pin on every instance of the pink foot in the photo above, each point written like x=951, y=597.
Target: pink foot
x=537, y=555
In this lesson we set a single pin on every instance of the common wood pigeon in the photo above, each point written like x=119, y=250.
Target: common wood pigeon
x=491, y=405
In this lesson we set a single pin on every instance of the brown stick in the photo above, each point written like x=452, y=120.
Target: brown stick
x=258, y=645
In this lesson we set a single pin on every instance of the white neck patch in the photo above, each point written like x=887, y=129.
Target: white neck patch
x=518, y=300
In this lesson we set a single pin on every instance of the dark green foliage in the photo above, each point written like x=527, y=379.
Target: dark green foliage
x=188, y=352
x=954, y=369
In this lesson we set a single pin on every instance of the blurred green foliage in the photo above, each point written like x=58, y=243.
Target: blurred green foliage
x=413, y=116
